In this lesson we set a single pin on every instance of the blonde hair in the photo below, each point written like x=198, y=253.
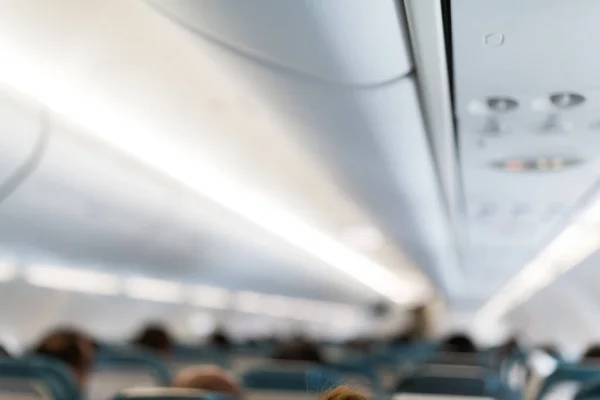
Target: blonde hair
x=343, y=393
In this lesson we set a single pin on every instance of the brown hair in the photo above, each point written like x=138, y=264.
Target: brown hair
x=208, y=377
x=342, y=393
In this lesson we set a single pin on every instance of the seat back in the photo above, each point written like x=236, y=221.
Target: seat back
x=458, y=381
x=162, y=393
x=187, y=356
x=117, y=371
x=277, y=382
x=36, y=378
x=566, y=380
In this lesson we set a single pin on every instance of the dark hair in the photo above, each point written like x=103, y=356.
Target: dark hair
x=155, y=337
x=71, y=347
x=298, y=350
x=592, y=352
x=459, y=343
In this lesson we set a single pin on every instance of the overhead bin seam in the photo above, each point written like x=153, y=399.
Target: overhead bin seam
x=24, y=171
x=273, y=65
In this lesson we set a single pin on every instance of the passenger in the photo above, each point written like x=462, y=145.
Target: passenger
x=342, y=393
x=155, y=337
x=73, y=348
x=298, y=349
x=459, y=343
x=593, y=353
x=220, y=339
x=208, y=377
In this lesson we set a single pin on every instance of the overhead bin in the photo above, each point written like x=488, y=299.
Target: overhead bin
x=88, y=205
x=352, y=42
x=84, y=202
x=20, y=129
x=374, y=141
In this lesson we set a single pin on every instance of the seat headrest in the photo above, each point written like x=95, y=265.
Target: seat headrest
x=168, y=394
x=314, y=379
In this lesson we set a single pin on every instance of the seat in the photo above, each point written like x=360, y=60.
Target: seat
x=566, y=381
x=167, y=394
x=290, y=383
x=485, y=385
x=115, y=371
x=186, y=356
x=36, y=378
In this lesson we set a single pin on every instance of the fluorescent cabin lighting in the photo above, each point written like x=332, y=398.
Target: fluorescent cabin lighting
x=278, y=307
x=249, y=302
x=577, y=242
x=208, y=297
x=8, y=271
x=111, y=122
x=154, y=290
x=72, y=279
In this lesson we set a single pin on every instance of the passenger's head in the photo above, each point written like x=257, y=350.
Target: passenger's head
x=342, y=393
x=75, y=349
x=298, y=350
x=219, y=338
x=459, y=343
x=156, y=338
x=592, y=353
x=208, y=377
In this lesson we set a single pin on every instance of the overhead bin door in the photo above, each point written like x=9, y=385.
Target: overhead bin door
x=83, y=202
x=20, y=128
x=333, y=41
x=374, y=141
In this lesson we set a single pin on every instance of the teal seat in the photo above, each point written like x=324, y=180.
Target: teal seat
x=313, y=379
x=204, y=355
x=118, y=370
x=131, y=360
x=486, y=385
x=358, y=366
x=568, y=373
x=168, y=394
x=53, y=375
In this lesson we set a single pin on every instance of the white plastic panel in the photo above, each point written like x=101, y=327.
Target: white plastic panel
x=374, y=141
x=19, y=130
x=523, y=53
x=88, y=206
x=85, y=203
x=354, y=42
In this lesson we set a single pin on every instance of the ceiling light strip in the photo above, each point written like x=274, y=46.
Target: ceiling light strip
x=72, y=279
x=567, y=250
x=165, y=291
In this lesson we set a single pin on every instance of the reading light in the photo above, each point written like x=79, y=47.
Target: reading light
x=111, y=122
x=72, y=279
